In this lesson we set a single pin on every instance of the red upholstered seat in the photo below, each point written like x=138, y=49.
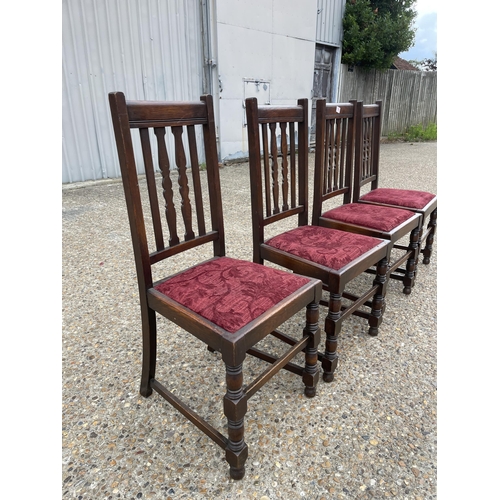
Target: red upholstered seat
x=400, y=197
x=372, y=216
x=327, y=247
x=230, y=292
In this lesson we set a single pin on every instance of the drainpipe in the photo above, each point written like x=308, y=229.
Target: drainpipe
x=210, y=74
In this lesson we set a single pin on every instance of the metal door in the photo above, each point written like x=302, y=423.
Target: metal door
x=323, y=77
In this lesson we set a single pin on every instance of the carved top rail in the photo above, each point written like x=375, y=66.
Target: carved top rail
x=171, y=136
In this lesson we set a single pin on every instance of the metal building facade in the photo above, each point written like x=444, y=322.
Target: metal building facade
x=178, y=50
x=328, y=55
x=149, y=49
x=329, y=24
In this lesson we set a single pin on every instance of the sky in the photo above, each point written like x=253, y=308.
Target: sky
x=426, y=35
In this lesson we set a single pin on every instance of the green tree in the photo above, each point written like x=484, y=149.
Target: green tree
x=376, y=31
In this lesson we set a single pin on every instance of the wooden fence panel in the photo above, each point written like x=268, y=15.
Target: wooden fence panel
x=409, y=97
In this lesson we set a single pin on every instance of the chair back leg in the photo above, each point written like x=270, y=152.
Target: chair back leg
x=148, y=350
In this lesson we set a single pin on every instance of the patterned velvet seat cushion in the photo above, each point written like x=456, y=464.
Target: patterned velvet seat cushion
x=328, y=247
x=371, y=216
x=230, y=292
x=400, y=197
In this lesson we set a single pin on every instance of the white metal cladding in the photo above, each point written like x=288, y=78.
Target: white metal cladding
x=148, y=49
x=329, y=24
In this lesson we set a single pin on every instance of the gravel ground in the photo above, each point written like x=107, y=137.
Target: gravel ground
x=371, y=434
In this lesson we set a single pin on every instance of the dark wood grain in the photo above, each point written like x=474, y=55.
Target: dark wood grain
x=180, y=159
x=168, y=195
x=153, y=195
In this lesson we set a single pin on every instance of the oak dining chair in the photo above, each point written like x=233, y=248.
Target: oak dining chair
x=278, y=162
x=228, y=304
x=333, y=183
x=367, y=177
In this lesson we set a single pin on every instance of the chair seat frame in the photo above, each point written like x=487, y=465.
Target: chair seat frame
x=426, y=234
x=233, y=348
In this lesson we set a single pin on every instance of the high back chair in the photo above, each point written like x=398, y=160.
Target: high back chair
x=333, y=180
x=228, y=304
x=367, y=173
x=278, y=157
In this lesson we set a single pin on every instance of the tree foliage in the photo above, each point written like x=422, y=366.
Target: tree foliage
x=376, y=31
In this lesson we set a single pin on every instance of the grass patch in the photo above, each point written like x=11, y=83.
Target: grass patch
x=416, y=133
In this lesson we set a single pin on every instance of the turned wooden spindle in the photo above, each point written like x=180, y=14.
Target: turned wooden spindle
x=168, y=195
x=180, y=160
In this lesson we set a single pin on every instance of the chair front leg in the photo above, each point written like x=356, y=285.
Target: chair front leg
x=420, y=233
x=310, y=375
x=427, y=251
x=411, y=263
x=333, y=325
x=235, y=408
x=378, y=303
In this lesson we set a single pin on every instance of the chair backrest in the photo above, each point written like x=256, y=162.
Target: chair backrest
x=278, y=155
x=152, y=119
x=334, y=154
x=367, y=146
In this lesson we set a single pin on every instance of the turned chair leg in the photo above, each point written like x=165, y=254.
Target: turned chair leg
x=148, y=350
x=417, y=257
x=427, y=251
x=333, y=325
x=310, y=375
x=378, y=303
x=235, y=408
x=411, y=263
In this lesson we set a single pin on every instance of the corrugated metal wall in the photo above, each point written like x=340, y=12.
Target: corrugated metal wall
x=149, y=49
x=329, y=25
x=409, y=97
x=329, y=32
